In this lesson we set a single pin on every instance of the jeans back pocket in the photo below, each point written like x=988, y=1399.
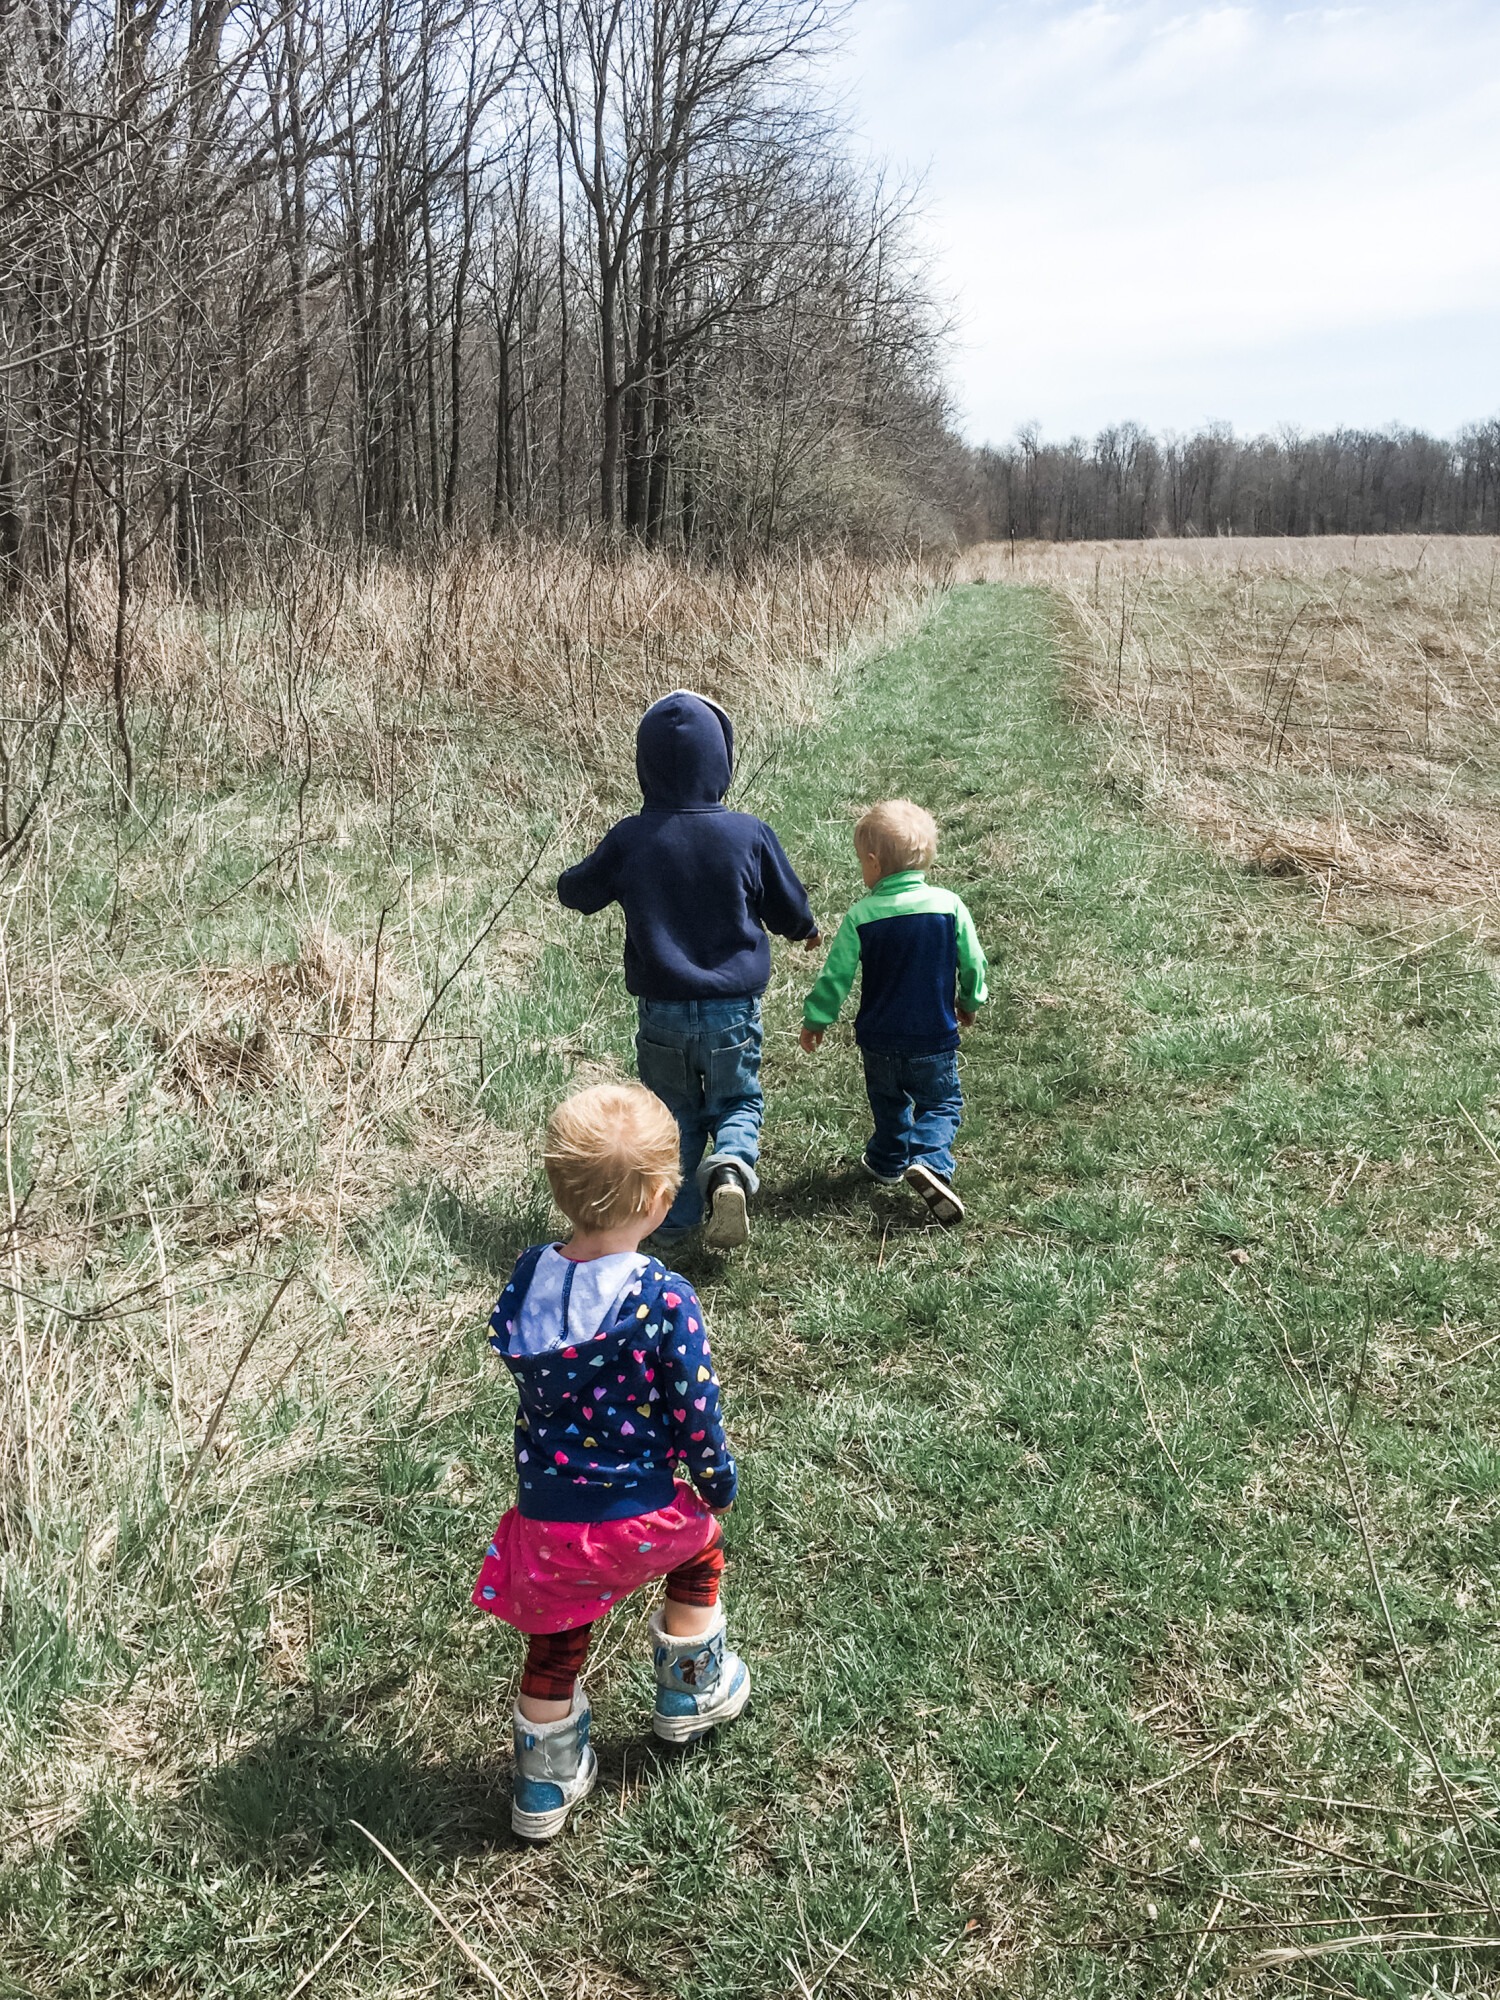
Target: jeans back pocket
x=734, y=1072
x=663, y=1069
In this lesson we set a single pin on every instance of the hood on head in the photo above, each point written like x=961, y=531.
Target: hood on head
x=684, y=752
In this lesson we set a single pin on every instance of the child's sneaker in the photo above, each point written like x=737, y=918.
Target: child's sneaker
x=728, y=1224
x=936, y=1192
x=555, y=1768
x=699, y=1681
x=882, y=1180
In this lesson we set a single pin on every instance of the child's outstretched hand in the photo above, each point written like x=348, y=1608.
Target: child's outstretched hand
x=966, y=1020
x=811, y=1040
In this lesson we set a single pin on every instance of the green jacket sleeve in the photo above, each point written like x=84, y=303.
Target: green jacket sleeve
x=822, y=1006
x=972, y=990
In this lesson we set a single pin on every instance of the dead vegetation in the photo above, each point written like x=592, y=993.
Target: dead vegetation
x=1327, y=708
x=279, y=1026
x=286, y=969
x=541, y=632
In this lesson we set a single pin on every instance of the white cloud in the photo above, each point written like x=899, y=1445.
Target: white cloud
x=1177, y=213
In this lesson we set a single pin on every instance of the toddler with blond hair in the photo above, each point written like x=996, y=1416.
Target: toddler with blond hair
x=622, y=1468
x=922, y=975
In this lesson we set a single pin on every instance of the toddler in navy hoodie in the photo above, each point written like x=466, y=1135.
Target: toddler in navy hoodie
x=700, y=887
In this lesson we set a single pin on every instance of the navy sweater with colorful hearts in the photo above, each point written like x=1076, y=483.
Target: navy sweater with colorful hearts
x=602, y=1424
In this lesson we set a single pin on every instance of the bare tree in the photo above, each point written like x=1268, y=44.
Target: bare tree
x=390, y=269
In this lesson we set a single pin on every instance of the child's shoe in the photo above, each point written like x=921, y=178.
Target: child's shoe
x=936, y=1192
x=555, y=1768
x=881, y=1180
x=728, y=1224
x=699, y=1681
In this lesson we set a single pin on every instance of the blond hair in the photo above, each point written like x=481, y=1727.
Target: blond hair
x=610, y=1151
x=897, y=834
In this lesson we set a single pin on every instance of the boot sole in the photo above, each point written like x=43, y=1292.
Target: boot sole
x=944, y=1204
x=548, y=1825
x=688, y=1728
x=728, y=1226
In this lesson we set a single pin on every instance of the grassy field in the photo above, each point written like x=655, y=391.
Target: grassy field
x=1323, y=706
x=1117, y=1574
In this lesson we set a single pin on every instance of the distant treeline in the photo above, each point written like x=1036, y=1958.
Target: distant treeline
x=1126, y=484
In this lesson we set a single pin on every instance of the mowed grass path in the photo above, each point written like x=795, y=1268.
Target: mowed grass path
x=1051, y=1557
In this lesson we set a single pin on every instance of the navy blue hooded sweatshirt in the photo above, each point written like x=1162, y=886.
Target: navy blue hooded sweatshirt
x=700, y=885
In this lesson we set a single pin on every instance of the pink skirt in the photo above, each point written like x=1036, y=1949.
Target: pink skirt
x=549, y=1576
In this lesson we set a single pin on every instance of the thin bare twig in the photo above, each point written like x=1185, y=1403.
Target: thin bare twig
x=916, y=1908
x=223, y=1403
x=1198, y=1949
x=1151, y=1415
x=457, y=1936
x=436, y=1001
x=308, y=1977
x=1403, y=1941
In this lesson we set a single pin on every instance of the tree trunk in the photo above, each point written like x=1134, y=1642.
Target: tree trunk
x=455, y=378
x=500, y=507
x=12, y=517
x=297, y=261
x=609, y=449
x=637, y=397
x=429, y=287
x=562, y=343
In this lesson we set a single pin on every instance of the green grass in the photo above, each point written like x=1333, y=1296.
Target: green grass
x=1067, y=1655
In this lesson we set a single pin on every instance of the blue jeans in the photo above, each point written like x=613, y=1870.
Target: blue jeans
x=702, y=1059
x=917, y=1105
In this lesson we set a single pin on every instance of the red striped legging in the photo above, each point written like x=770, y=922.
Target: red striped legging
x=554, y=1660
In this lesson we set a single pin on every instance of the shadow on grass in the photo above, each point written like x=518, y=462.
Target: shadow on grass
x=848, y=1192
x=805, y=1198
x=294, y=1796
x=487, y=1240
x=490, y=1241
x=816, y=1188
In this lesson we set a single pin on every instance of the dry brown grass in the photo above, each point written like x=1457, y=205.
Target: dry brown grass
x=540, y=632
x=283, y=991
x=1327, y=707
x=223, y=1065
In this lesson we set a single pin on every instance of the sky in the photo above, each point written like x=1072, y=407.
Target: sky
x=1188, y=214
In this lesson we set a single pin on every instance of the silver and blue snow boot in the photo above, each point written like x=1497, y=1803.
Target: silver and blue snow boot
x=555, y=1768
x=699, y=1681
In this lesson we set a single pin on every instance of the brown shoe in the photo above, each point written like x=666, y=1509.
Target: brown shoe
x=936, y=1192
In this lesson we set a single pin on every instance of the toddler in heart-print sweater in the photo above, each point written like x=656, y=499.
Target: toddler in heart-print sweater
x=618, y=1400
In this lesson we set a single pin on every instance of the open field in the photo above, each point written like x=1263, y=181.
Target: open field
x=1328, y=707
x=1118, y=1574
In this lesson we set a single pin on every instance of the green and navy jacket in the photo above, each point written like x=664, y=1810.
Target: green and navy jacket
x=919, y=959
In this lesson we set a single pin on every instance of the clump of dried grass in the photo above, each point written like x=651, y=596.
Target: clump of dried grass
x=540, y=631
x=292, y=1021
x=1327, y=707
